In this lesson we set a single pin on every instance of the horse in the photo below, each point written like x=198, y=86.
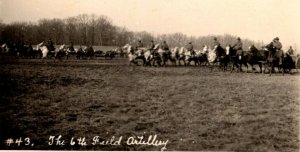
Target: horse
x=4, y=49
x=43, y=48
x=29, y=52
x=109, y=54
x=202, y=55
x=256, y=57
x=71, y=52
x=288, y=63
x=134, y=55
x=165, y=56
x=61, y=52
x=190, y=56
x=235, y=59
x=79, y=53
x=119, y=51
x=174, y=55
x=89, y=52
x=221, y=57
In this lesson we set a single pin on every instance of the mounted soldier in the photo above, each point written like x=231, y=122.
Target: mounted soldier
x=277, y=49
x=216, y=42
x=151, y=47
x=190, y=48
x=238, y=47
x=290, y=51
x=50, y=45
x=139, y=45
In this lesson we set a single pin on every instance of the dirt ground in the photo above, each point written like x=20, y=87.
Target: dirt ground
x=191, y=107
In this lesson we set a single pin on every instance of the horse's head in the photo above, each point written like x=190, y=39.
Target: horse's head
x=62, y=47
x=156, y=46
x=40, y=45
x=205, y=48
x=175, y=49
x=182, y=50
x=228, y=48
x=126, y=46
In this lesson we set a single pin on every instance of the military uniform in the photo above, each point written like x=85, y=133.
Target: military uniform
x=190, y=47
x=50, y=45
x=139, y=45
x=290, y=51
x=71, y=47
x=238, y=46
x=277, y=46
x=165, y=46
x=151, y=47
x=216, y=42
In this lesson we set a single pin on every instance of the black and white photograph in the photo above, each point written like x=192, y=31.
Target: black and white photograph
x=150, y=75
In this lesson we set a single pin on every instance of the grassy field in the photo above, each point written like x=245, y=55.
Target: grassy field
x=192, y=108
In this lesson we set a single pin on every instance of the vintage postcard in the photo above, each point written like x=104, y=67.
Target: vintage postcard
x=149, y=75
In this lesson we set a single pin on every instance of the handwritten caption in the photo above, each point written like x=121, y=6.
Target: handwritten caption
x=151, y=140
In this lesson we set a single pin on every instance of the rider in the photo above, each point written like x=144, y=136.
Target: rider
x=277, y=48
x=238, y=47
x=151, y=46
x=139, y=45
x=71, y=47
x=253, y=50
x=216, y=42
x=276, y=44
x=190, y=48
x=50, y=45
x=290, y=51
x=165, y=46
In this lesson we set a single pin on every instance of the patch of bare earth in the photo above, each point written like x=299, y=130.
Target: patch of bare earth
x=191, y=107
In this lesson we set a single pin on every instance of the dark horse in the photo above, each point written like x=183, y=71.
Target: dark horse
x=89, y=52
x=222, y=58
x=237, y=59
x=257, y=57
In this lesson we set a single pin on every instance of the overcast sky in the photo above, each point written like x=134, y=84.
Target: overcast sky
x=253, y=19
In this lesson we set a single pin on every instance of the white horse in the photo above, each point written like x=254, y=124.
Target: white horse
x=43, y=48
x=187, y=56
x=61, y=51
x=175, y=54
x=212, y=55
x=133, y=55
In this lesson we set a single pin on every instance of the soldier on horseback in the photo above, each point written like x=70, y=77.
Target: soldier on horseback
x=139, y=45
x=164, y=46
x=216, y=42
x=238, y=47
x=50, y=45
x=190, y=48
x=71, y=47
x=277, y=48
x=151, y=47
x=290, y=51
x=276, y=44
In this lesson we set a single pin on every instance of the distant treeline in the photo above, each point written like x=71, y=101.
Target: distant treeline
x=97, y=30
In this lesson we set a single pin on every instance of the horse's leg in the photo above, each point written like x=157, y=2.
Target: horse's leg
x=271, y=70
x=144, y=61
x=260, y=67
x=246, y=65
